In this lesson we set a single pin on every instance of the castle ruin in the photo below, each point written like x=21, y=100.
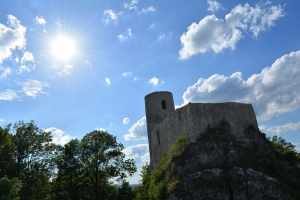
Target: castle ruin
x=165, y=124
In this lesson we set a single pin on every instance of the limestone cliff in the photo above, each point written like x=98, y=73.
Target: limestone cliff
x=218, y=165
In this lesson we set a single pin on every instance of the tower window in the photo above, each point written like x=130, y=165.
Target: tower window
x=158, y=139
x=163, y=104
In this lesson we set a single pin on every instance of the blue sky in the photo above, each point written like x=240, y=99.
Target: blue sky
x=77, y=66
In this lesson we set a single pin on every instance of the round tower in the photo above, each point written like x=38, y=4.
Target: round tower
x=158, y=106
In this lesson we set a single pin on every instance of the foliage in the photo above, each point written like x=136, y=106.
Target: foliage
x=9, y=188
x=125, y=192
x=285, y=149
x=159, y=184
x=33, y=167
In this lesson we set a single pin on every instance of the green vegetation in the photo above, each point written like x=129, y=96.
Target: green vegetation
x=33, y=167
x=273, y=157
x=159, y=184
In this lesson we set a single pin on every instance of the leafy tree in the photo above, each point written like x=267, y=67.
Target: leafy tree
x=69, y=182
x=141, y=191
x=103, y=159
x=33, y=160
x=6, y=152
x=9, y=188
x=285, y=149
x=125, y=192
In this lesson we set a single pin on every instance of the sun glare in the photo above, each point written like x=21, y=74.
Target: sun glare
x=63, y=48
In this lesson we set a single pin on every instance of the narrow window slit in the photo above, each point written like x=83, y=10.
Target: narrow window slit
x=158, y=139
x=163, y=104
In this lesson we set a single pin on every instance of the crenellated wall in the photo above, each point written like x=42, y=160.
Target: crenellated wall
x=192, y=120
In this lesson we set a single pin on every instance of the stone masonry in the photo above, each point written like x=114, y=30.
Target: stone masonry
x=165, y=124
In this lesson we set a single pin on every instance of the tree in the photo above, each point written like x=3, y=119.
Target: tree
x=33, y=160
x=6, y=152
x=141, y=191
x=9, y=188
x=103, y=159
x=69, y=182
x=125, y=192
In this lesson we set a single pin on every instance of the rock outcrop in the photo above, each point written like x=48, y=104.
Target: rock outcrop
x=220, y=166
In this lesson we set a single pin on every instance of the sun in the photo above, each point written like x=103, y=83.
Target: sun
x=63, y=48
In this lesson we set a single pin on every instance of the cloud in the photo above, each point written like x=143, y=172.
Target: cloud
x=34, y=87
x=40, y=20
x=110, y=15
x=212, y=33
x=126, y=120
x=131, y=5
x=8, y=95
x=88, y=63
x=272, y=92
x=152, y=26
x=6, y=71
x=139, y=152
x=213, y=5
x=165, y=36
x=11, y=37
x=126, y=74
x=126, y=35
x=58, y=136
x=107, y=80
x=66, y=71
x=100, y=129
x=155, y=81
x=149, y=9
x=138, y=131
x=27, y=56
x=2, y=120
x=281, y=129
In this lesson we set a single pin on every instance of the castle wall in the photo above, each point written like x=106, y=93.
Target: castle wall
x=192, y=120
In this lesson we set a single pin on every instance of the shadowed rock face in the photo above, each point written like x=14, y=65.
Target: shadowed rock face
x=221, y=166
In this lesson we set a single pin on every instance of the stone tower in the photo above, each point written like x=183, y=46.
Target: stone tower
x=158, y=106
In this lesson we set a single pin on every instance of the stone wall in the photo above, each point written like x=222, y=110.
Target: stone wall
x=192, y=120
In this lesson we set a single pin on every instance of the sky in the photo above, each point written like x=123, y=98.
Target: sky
x=78, y=66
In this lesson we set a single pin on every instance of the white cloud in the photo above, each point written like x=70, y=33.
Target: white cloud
x=100, y=129
x=212, y=33
x=6, y=71
x=24, y=68
x=27, y=56
x=2, y=120
x=126, y=35
x=155, y=81
x=40, y=20
x=8, y=95
x=139, y=152
x=88, y=63
x=138, y=131
x=126, y=74
x=107, y=80
x=110, y=15
x=149, y=9
x=11, y=37
x=281, y=129
x=131, y=5
x=34, y=87
x=272, y=92
x=165, y=36
x=58, y=136
x=66, y=71
x=126, y=120
x=152, y=25
x=213, y=5
x=135, y=78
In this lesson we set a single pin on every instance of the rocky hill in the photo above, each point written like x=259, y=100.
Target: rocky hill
x=219, y=165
